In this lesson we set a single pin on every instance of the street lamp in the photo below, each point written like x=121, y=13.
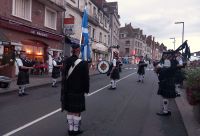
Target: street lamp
x=174, y=41
x=182, y=30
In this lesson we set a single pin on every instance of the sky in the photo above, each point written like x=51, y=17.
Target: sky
x=158, y=17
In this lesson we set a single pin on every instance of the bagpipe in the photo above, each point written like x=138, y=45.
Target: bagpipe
x=184, y=48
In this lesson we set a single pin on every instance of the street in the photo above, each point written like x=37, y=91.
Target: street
x=130, y=110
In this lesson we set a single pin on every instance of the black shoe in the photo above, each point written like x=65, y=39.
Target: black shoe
x=77, y=132
x=139, y=81
x=112, y=88
x=178, y=95
x=20, y=94
x=164, y=114
x=54, y=86
x=70, y=133
x=24, y=93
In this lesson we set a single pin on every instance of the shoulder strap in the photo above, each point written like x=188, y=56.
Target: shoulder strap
x=72, y=68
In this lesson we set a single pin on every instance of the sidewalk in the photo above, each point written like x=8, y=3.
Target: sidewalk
x=186, y=110
x=36, y=81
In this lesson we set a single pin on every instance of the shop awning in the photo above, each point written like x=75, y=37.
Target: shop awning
x=100, y=47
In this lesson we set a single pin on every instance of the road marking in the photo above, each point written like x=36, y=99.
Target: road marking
x=31, y=123
x=90, y=94
x=54, y=112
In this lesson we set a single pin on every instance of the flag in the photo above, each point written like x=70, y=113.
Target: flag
x=85, y=48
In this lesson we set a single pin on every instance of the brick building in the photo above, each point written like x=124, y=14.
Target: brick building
x=34, y=26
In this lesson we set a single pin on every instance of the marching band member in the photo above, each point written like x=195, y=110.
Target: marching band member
x=141, y=70
x=24, y=66
x=57, y=64
x=75, y=83
x=114, y=74
x=167, y=69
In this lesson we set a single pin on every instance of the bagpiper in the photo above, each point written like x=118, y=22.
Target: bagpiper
x=167, y=69
x=114, y=72
x=141, y=69
x=57, y=64
x=24, y=66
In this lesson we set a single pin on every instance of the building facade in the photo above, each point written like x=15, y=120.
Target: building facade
x=133, y=44
x=35, y=26
x=98, y=26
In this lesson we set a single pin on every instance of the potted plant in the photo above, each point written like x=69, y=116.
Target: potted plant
x=193, y=90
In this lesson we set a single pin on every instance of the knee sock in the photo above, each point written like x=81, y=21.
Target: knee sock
x=70, y=122
x=77, y=120
x=112, y=83
x=115, y=84
x=54, y=81
x=165, y=105
x=20, y=89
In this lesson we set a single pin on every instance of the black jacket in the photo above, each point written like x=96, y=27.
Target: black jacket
x=75, y=86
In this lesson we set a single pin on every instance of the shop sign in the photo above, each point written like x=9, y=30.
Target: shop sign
x=69, y=26
x=5, y=43
x=39, y=33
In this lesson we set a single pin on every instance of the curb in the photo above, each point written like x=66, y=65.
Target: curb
x=186, y=111
x=5, y=91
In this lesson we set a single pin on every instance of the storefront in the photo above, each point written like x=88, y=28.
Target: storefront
x=100, y=52
x=37, y=43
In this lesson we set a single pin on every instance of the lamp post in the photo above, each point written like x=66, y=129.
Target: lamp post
x=173, y=41
x=182, y=30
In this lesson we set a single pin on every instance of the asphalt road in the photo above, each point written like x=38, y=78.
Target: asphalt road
x=130, y=110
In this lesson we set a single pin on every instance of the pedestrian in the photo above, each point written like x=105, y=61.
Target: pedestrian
x=114, y=73
x=75, y=84
x=141, y=70
x=57, y=64
x=24, y=66
x=167, y=69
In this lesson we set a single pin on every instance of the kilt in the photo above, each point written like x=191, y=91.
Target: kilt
x=141, y=71
x=179, y=76
x=74, y=102
x=23, y=78
x=167, y=88
x=115, y=74
x=55, y=73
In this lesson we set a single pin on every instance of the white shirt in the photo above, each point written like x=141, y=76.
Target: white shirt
x=114, y=62
x=19, y=62
x=54, y=63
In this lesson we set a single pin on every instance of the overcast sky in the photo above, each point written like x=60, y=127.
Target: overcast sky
x=157, y=18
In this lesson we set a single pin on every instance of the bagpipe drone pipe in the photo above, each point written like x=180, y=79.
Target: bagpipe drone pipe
x=184, y=48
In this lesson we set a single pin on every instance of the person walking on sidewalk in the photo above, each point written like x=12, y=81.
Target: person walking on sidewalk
x=167, y=69
x=57, y=64
x=141, y=70
x=24, y=66
x=114, y=74
x=75, y=84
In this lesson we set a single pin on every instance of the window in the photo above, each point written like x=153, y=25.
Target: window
x=93, y=34
x=100, y=37
x=128, y=42
x=126, y=50
x=89, y=31
x=22, y=9
x=50, y=18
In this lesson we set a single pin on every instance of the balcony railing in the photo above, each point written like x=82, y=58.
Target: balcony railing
x=58, y=2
